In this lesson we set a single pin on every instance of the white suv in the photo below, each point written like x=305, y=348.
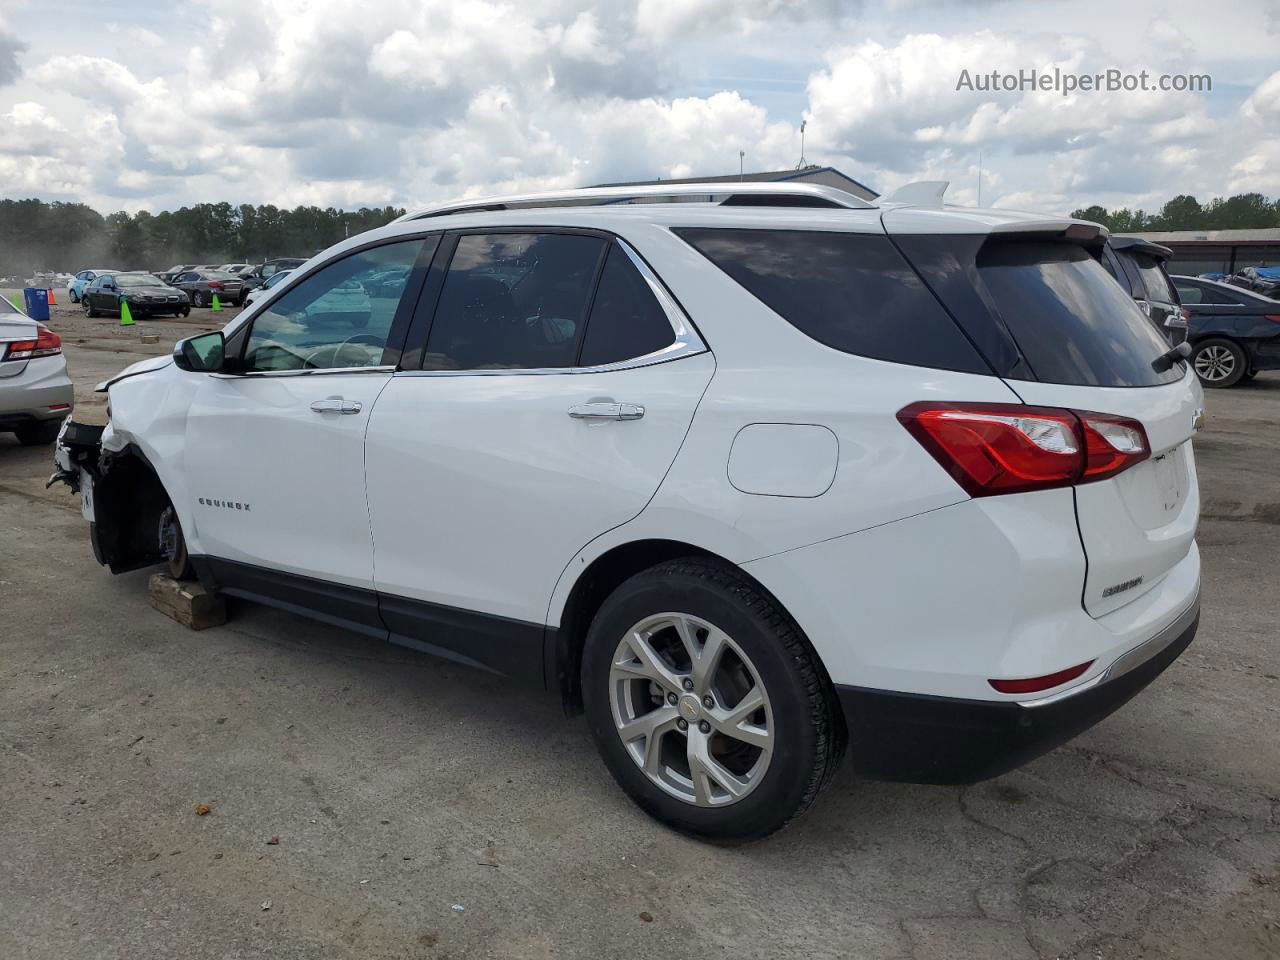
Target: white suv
x=754, y=478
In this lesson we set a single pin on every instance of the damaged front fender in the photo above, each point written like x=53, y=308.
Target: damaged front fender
x=120, y=495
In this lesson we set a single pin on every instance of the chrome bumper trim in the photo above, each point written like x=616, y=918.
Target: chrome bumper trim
x=1132, y=659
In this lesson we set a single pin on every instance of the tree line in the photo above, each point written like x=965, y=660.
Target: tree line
x=1245, y=211
x=69, y=237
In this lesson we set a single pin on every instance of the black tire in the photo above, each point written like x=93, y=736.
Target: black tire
x=38, y=434
x=72, y=294
x=807, y=727
x=1219, y=362
x=202, y=300
x=185, y=312
x=89, y=310
x=178, y=562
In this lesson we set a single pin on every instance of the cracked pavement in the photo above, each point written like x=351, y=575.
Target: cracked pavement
x=400, y=786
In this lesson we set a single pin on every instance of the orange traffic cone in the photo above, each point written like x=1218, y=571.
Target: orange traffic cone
x=53, y=301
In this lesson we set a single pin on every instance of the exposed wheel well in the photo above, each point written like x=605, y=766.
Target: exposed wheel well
x=128, y=501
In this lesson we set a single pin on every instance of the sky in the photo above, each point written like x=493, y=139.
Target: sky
x=140, y=104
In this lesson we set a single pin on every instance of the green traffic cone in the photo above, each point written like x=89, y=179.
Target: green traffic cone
x=126, y=318
x=216, y=305
x=16, y=304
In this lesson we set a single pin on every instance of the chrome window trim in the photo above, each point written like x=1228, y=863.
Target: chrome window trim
x=316, y=372
x=687, y=343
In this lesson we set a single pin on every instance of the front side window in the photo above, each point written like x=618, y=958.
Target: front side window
x=336, y=317
x=514, y=301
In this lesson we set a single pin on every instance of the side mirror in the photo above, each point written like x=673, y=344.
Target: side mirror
x=202, y=354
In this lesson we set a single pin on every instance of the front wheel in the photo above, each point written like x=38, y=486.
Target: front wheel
x=89, y=311
x=173, y=546
x=1219, y=362
x=706, y=702
x=74, y=296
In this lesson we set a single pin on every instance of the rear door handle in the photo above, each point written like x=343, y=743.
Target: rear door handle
x=335, y=405
x=606, y=410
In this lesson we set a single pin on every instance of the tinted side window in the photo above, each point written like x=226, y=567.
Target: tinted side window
x=1188, y=294
x=850, y=291
x=626, y=319
x=338, y=316
x=1073, y=325
x=514, y=301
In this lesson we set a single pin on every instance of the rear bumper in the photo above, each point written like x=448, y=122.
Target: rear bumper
x=27, y=397
x=917, y=738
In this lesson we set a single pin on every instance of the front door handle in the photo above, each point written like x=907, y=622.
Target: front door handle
x=606, y=410
x=335, y=405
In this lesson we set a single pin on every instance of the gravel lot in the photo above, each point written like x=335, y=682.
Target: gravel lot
x=423, y=810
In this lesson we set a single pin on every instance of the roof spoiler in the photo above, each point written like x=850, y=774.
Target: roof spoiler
x=1142, y=245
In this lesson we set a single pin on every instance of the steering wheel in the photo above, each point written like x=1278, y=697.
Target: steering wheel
x=372, y=339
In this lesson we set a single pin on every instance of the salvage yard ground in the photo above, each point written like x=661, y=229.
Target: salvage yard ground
x=423, y=810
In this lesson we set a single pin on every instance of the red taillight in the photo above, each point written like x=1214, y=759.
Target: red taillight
x=1273, y=317
x=46, y=344
x=1036, y=684
x=215, y=284
x=996, y=448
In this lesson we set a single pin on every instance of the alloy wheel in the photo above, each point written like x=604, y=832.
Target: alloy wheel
x=1214, y=363
x=691, y=709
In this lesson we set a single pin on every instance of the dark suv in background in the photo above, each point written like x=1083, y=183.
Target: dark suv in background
x=1140, y=266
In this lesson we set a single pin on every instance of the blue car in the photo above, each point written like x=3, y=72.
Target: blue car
x=76, y=285
x=1234, y=333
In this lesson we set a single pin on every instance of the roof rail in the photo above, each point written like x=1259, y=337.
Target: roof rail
x=732, y=194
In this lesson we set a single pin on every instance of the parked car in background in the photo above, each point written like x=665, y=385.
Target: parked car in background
x=272, y=281
x=747, y=507
x=35, y=392
x=1234, y=333
x=239, y=269
x=1213, y=275
x=168, y=275
x=81, y=280
x=1263, y=280
x=263, y=271
x=1140, y=267
x=146, y=295
x=202, y=284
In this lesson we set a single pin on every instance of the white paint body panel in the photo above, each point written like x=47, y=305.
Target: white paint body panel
x=256, y=441
x=1142, y=522
x=481, y=488
x=784, y=459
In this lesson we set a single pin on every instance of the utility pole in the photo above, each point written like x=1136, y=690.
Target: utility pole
x=979, y=178
x=803, y=163
x=741, y=158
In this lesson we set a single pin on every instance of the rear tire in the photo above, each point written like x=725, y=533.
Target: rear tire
x=38, y=434
x=89, y=310
x=72, y=294
x=698, y=768
x=1219, y=362
x=202, y=300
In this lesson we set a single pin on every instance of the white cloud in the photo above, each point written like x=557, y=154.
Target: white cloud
x=410, y=101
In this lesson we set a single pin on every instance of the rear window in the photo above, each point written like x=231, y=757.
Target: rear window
x=1071, y=321
x=851, y=291
x=1154, y=279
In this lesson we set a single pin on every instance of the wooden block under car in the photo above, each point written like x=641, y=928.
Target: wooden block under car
x=189, y=603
